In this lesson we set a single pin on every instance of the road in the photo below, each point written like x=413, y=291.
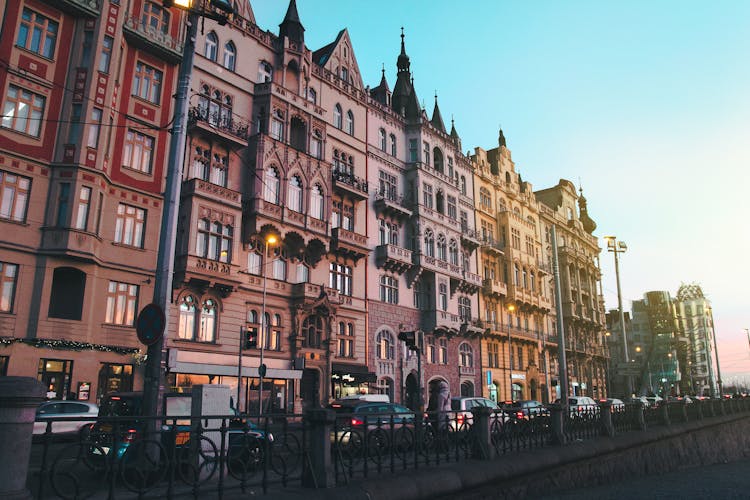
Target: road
x=721, y=481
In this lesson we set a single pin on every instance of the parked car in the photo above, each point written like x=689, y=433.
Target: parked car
x=525, y=410
x=581, y=406
x=654, y=400
x=356, y=418
x=617, y=404
x=462, y=406
x=52, y=410
x=640, y=399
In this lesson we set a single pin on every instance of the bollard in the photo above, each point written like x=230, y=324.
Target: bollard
x=482, y=433
x=605, y=407
x=664, y=408
x=319, y=471
x=19, y=398
x=557, y=420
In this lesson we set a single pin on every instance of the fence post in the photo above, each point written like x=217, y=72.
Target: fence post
x=557, y=420
x=318, y=471
x=605, y=407
x=699, y=408
x=640, y=415
x=19, y=398
x=482, y=433
x=722, y=407
x=683, y=410
x=664, y=407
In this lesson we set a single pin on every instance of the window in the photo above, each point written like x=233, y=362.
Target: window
x=272, y=338
x=412, y=150
x=316, y=145
x=493, y=355
x=278, y=269
x=254, y=262
x=312, y=331
x=214, y=241
x=75, y=124
x=464, y=309
x=82, y=216
x=298, y=133
x=8, y=279
x=387, y=185
x=129, y=225
x=211, y=46
x=337, y=117
x=388, y=233
x=442, y=248
x=303, y=273
x=37, y=33
x=155, y=17
x=485, y=200
x=346, y=340
x=463, y=185
x=453, y=253
x=271, y=186
x=14, y=196
x=230, y=56
x=450, y=167
x=393, y=145
x=389, y=289
x=440, y=201
x=138, y=152
x=465, y=355
x=520, y=358
x=66, y=294
x=277, y=125
x=431, y=350
x=147, y=83
x=381, y=139
x=515, y=238
x=106, y=55
x=215, y=107
x=294, y=194
x=312, y=96
x=63, y=202
x=429, y=243
x=96, y=120
x=516, y=275
x=265, y=72
x=426, y=154
x=443, y=296
x=385, y=345
x=437, y=156
x=341, y=278
x=197, y=324
x=443, y=352
x=452, y=214
x=342, y=215
x=427, y=195
x=122, y=303
x=23, y=111
x=219, y=169
x=316, y=202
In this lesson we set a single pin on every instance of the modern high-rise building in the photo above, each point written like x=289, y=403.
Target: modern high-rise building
x=695, y=319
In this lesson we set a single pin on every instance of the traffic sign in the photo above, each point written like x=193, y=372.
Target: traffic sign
x=150, y=324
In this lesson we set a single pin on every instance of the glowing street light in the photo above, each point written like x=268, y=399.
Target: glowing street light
x=269, y=240
x=511, y=308
x=616, y=247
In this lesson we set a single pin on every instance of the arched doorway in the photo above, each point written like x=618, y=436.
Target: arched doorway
x=411, y=396
x=467, y=389
x=310, y=388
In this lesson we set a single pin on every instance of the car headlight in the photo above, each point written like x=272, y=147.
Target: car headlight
x=270, y=437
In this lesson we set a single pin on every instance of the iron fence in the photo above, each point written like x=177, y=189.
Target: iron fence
x=510, y=432
x=582, y=423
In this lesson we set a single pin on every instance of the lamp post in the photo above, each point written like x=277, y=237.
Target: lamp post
x=606, y=347
x=618, y=247
x=511, y=308
x=269, y=240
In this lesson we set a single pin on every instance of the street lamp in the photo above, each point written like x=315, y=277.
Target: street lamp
x=617, y=247
x=269, y=240
x=511, y=308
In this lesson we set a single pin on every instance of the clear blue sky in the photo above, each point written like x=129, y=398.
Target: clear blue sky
x=647, y=103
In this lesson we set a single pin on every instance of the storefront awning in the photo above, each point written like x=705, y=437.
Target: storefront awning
x=358, y=373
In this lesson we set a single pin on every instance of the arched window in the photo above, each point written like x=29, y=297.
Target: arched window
x=186, y=327
x=312, y=332
x=467, y=389
x=265, y=72
x=385, y=346
x=197, y=325
x=312, y=96
x=298, y=134
x=207, y=332
x=230, y=55
x=464, y=308
x=294, y=194
x=437, y=158
x=465, y=355
x=453, y=252
x=316, y=202
x=463, y=185
x=442, y=248
x=429, y=243
x=211, y=47
x=350, y=122
x=443, y=296
x=271, y=185
x=381, y=139
x=337, y=117
x=393, y=145
x=516, y=275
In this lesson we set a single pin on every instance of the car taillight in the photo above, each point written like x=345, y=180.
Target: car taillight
x=460, y=418
x=519, y=414
x=130, y=435
x=357, y=421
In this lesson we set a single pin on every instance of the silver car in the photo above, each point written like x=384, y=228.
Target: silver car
x=53, y=410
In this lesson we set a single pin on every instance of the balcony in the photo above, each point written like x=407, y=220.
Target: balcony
x=466, y=282
x=393, y=206
x=470, y=238
x=234, y=131
x=467, y=371
x=205, y=273
x=213, y=192
x=349, y=184
x=544, y=267
x=78, y=8
x=393, y=258
x=441, y=322
x=473, y=327
x=71, y=242
x=152, y=40
x=494, y=288
x=348, y=243
x=310, y=291
x=491, y=246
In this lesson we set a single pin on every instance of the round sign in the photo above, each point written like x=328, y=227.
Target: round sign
x=150, y=324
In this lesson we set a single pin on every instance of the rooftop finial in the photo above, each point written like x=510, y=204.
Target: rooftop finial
x=403, y=60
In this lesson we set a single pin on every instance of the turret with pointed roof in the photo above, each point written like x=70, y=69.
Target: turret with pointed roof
x=382, y=93
x=291, y=27
x=437, y=119
x=588, y=223
x=454, y=135
x=404, y=99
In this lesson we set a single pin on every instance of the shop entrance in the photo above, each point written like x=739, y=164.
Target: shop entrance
x=55, y=374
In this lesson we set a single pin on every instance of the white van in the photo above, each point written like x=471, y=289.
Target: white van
x=372, y=398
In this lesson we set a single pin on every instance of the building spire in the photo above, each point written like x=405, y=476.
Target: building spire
x=403, y=63
x=437, y=119
x=291, y=27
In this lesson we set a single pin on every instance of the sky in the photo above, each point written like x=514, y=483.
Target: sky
x=644, y=104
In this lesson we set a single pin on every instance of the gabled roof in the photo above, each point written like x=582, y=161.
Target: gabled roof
x=244, y=10
x=324, y=55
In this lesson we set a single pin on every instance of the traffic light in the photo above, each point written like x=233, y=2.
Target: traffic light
x=409, y=337
x=251, y=338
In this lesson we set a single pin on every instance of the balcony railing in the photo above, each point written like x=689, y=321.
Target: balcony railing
x=84, y=8
x=393, y=258
x=237, y=130
x=470, y=238
x=494, y=287
x=391, y=204
x=153, y=40
x=348, y=242
x=212, y=191
x=354, y=185
x=493, y=246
